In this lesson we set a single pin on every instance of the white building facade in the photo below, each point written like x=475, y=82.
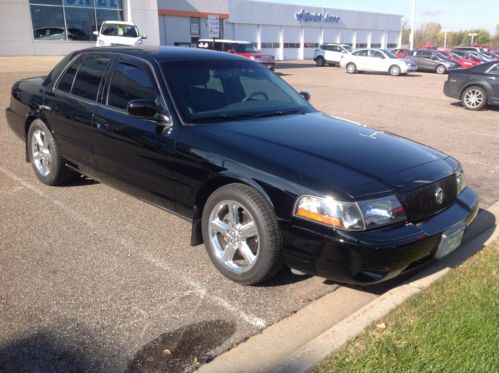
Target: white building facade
x=56, y=27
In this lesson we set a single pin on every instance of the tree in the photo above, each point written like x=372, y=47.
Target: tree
x=427, y=33
x=494, y=41
x=481, y=37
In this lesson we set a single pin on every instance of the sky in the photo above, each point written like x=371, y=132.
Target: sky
x=453, y=15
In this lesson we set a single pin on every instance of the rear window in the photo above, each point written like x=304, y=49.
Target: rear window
x=89, y=77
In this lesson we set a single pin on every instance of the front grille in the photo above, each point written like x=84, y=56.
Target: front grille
x=421, y=203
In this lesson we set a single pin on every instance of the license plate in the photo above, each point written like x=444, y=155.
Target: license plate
x=450, y=241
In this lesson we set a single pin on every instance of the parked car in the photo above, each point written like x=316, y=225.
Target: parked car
x=462, y=61
x=430, y=60
x=376, y=60
x=118, y=33
x=331, y=53
x=400, y=52
x=471, y=56
x=264, y=177
x=241, y=48
x=476, y=86
x=469, y=49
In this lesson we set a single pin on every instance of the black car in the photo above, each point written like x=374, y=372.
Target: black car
x=264, y=177
x=476, y=86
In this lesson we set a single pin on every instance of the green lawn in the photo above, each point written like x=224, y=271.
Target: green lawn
x=453, y=326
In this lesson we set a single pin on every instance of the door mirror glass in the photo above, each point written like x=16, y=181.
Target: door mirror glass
x=96, y=33
x=142, y=109
x=305, y=95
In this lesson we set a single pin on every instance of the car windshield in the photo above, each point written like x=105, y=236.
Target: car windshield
x=207, y=91
x=477, y=56
x=112, y=29
x=245, y=48
x=389, y=53
x=348, y=48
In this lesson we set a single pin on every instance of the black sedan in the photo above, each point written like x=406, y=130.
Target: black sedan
x=264, y=177
x=476, y=86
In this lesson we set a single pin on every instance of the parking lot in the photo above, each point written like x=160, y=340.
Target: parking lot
x=92, y=279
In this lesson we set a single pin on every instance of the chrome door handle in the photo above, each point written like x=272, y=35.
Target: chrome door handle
x=45, y=107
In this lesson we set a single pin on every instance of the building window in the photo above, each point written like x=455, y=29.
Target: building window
x=391, y=45
x=311, y=45
x=72, y=19
x=195, y=26
x=291, y=45
x=361, y=45
x=375, y=45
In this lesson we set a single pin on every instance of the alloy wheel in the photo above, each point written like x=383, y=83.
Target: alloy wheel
x=233, y=236
x=473, y=98
x=40, y=151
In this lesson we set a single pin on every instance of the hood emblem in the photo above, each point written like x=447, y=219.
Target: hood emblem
x=439, y=195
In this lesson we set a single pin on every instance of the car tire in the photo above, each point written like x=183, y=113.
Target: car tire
x=441, y=69
x=474, y=98
x=320, y=61
x=45, y=156
x=248, y=255
x=394, y=70
x=351, y=68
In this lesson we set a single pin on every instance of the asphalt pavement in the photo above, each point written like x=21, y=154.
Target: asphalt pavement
x=95, y=280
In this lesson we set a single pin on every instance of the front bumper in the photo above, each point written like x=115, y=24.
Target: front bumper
x=371, y=256
x=16, y=123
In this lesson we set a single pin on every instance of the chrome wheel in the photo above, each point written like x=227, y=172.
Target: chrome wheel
x=473, y=98
x=351, y=68
x=40, y=151
x=441, y=69
x=395, y=70
x=233, y=236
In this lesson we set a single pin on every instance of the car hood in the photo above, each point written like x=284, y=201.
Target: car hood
x=332, y=150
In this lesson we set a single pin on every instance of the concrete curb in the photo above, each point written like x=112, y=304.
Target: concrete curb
x=286, y=346
x=311, y=354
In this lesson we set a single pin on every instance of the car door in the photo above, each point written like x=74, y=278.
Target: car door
x=378, y=61
x=493, y=79
x=71, y=105
x=362, y=59
x=133, y=153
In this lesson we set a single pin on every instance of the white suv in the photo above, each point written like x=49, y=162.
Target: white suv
x=118, y=33
x=331, y=53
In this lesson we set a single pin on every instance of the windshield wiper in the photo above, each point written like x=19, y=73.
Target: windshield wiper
x=279, y=113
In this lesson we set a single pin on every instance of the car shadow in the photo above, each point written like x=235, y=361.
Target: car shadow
x=295, y=65
x=81, y=181
x=473, y=241
x=486, y=108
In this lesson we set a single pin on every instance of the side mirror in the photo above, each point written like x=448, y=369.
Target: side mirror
x=96, y=33
x=143, y=36
x=305, y=95
x=147, y=109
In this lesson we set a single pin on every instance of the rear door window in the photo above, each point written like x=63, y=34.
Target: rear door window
x=89, y=76
x=66, y=81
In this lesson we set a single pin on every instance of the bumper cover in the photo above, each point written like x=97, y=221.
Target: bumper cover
x=372, y=256
x=16, y=123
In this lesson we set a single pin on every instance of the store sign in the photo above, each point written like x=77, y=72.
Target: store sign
x=213, y=26
x=317, y=17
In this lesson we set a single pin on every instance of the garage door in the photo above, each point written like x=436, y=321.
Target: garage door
x=246, y=32
x=311, y=41
x=377, y=39
x=292, y=43
x=393, y=39
x=362, y=36
x=346, y=37
x=270, y=41
x=330, y=36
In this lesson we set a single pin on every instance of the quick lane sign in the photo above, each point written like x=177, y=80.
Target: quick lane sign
x=304, y=17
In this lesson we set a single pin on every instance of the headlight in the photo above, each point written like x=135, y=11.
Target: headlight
x=352, y=216
x=461, y=181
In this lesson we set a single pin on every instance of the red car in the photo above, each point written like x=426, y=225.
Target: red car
x=468, y=56
x=241, y=48
x=400, y=52
x=463, y=62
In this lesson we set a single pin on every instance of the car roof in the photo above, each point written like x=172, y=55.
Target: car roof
x=225, y=41
x=120, y=23
x=166, y=53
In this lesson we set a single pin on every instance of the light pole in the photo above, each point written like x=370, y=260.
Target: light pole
x=413, y=25
x=472, y=35
x=445, y=38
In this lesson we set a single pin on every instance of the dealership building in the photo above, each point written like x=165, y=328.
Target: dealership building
x=55, y=27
